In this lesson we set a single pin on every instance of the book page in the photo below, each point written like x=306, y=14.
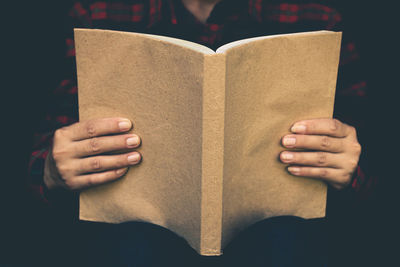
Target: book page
x=158, y=86
x=191, y=45
x=222, y=49
x=270, y=84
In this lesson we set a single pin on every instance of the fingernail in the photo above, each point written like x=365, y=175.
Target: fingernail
x=294, y=170
x=125, y=125
x=287, y=155
x=134, y=158
x=120, y=171
x=298, y=128
x=132, y=141
x=289, y=141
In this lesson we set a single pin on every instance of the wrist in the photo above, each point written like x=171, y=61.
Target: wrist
x=50, y=174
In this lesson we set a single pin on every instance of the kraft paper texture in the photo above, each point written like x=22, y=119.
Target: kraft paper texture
x=211, y=126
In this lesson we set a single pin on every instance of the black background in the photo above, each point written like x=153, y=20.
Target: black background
x=32, y=46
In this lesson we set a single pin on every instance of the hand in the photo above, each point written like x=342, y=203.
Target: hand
x=74, y=161
x=333, y=151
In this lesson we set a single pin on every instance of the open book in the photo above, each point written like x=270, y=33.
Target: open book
x=211, y=125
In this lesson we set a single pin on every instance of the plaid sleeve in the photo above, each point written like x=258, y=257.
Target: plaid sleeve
x=351, y=106
x=62, y=107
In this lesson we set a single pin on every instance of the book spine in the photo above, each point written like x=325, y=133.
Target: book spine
x=212, y=154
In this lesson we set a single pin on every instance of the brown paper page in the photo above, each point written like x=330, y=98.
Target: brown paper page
x=159, y=87
x=271, y=84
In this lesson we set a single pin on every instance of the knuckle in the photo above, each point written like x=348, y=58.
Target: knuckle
x=323, y=173
x=64, y=171
x=321, y=157
x=353, y=130
x=58, y=153
x=345, y=179
x=61, y=132
x=95, y=164
x=94, y=145
x=353, y=163
x=90, y=128
x=91, y=181
x=335, y=125
x=119, y=174
x=112, y=175
x=357, y=147
x=325, y=142
x=62, y=168
x=58, y=134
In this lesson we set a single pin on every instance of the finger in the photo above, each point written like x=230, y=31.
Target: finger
x=330, y=175
x=102, y=163
x=314, y=142
x=93, y=179
x=331, y=127
x=99, y=145
x=316, y=159
x=98, y=127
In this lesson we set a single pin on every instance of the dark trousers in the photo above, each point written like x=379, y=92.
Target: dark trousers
x=280, y=241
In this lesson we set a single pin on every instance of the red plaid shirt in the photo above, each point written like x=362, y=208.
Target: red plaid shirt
x=229, y=21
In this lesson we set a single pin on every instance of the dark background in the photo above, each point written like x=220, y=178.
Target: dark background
x=31, y=48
